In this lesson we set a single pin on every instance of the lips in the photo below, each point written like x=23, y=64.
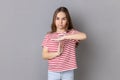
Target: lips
x=60, y=25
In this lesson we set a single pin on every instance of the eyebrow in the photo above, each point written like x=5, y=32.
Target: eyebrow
x=64, y=17
x=58, y=17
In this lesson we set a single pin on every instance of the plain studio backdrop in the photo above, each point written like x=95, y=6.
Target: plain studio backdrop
x=24, y=23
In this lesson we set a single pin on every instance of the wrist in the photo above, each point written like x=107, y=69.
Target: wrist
x=65, y=37
x=57, y=53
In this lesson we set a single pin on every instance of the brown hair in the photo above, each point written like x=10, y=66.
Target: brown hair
x=69, y=23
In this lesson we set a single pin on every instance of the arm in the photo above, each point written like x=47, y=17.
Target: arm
x=77, y=36
x=48, y=55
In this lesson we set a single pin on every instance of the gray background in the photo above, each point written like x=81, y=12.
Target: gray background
x=24, y=23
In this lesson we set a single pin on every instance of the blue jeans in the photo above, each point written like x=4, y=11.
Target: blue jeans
x=65, y=75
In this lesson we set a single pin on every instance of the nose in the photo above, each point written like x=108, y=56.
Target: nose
x=61, y=21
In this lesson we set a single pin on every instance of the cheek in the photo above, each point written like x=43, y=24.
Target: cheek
x=64, y=22
x=56, y=22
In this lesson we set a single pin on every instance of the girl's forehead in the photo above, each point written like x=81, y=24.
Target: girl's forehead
x=61, y=14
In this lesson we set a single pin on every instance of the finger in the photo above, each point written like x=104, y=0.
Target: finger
x=55, y=39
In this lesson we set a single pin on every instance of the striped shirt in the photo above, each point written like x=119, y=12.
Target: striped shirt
x=67, y=60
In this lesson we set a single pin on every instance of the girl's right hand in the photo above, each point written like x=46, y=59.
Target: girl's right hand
x=60, y=47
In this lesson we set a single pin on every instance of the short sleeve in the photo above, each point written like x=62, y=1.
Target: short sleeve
x=74, y=31
x=45, y=41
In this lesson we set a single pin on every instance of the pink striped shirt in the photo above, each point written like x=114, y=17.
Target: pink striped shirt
x=67, y=60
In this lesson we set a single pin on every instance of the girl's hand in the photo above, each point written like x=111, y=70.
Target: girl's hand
x=60, y=47
x=59, y=39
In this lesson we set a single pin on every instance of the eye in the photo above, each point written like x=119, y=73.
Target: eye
x=57, y=18
x=65, y=18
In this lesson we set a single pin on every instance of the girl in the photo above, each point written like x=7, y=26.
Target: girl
x=59, y=46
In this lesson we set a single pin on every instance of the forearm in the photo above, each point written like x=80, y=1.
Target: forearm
x=50, y=55
x=78, y=36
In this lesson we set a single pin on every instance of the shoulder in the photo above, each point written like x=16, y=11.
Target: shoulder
x=49, y=34
x=74, y=31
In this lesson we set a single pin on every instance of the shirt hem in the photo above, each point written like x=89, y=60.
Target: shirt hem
x=62, y=70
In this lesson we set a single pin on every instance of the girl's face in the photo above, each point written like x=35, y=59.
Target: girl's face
x=61, y=20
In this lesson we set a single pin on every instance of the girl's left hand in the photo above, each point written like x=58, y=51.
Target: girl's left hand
x=59, y=39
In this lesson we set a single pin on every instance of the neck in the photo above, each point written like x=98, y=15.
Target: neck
x=60, y=30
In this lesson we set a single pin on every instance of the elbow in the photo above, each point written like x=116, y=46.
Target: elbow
x=44, y=56
x=83, y=37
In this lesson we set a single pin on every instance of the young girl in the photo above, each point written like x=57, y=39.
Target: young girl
x=59, y=46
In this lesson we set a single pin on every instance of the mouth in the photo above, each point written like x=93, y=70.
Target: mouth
x=60, y=25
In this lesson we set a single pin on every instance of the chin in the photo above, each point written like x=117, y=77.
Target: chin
x=61, y=27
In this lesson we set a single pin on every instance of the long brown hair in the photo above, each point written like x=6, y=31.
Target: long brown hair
x=69, y=23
